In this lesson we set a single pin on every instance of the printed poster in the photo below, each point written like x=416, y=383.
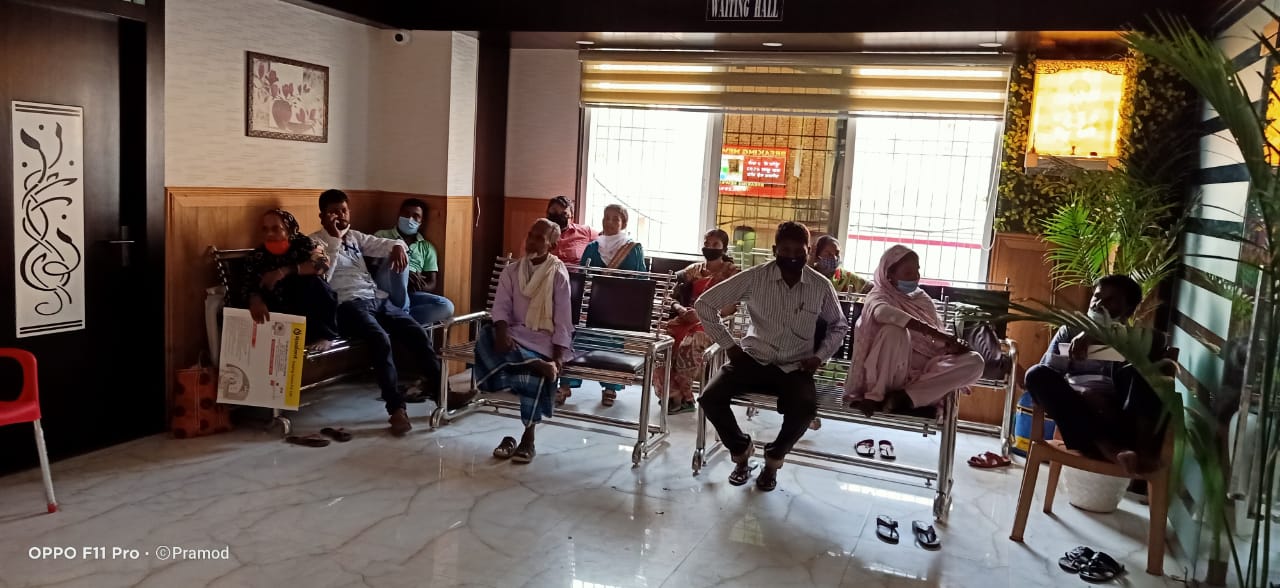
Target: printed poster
x=753, y=171
x=261, y=364
x=48, y=218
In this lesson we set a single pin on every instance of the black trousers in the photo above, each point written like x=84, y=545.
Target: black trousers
x=1128, y=417
x=797, y=402
x=308, y=296
x=377, y=323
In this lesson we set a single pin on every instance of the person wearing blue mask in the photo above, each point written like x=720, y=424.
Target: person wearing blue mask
x=903, y=360
x=414, y=290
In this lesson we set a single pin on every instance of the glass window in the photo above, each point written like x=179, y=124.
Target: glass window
x=654, y=163
x=924, y=183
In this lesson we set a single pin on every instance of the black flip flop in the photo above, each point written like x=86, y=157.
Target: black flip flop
x=741, y=473
x=339, y=434
x=523, y=455
x=505, y=448
x=1101, y=568
x=866, y=448
x=311, y=440
x=767, y=480
x=887, y=529
x=925, y=534
x=1073, y=560
x=886, y=451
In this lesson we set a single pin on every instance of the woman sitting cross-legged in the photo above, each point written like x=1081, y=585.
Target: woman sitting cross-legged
x=690, y=340
x=531, y=336
x=285, y=274
x=902, y=360
x=613, y=249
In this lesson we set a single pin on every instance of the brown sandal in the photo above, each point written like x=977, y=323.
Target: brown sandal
x=989, y=461
x=505, y=448
x=607, y=397
x=562, y=395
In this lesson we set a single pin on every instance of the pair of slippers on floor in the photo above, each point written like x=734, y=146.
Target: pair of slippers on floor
x=318, y=439
x=1092, y=566
x=867, y=448
x=926, y=535
x=510, y=449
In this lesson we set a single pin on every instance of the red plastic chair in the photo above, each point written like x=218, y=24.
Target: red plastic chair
x=26, y=409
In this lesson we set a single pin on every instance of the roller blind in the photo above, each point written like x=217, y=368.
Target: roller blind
x=812, y=83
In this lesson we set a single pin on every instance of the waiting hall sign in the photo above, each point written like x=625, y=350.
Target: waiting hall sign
x=744, y=10
x=753, y=171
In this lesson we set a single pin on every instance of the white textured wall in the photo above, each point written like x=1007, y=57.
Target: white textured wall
x=408, y=133
x=390, y=119
x=205, y=144
x=464, y=68
x=542, y=123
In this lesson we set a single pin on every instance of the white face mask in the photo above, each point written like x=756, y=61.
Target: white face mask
x=1099, y=315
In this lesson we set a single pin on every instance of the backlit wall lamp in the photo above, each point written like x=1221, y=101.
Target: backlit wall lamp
x=1075, y=114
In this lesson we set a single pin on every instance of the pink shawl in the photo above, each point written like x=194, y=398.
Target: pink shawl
x=918, y=304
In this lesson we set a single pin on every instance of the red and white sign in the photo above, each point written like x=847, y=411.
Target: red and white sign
x=753, y=171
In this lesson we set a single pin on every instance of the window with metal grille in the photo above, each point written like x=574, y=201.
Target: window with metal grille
x=654, y=163
x=923, y=182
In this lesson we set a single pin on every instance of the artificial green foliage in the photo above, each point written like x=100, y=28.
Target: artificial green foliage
x=1154, y=137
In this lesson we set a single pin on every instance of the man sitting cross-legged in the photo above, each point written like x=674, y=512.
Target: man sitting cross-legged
x=364, y=313
x=530, y=338
x=785, y=300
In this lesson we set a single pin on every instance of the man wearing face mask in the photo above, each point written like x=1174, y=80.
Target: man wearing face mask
x=414, y=290
x=364, y=313
x=1103, y=409
x=785, y=299
x=574, y=237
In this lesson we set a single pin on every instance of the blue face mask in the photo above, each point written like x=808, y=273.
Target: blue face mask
x=908, y=286
x=408, y=226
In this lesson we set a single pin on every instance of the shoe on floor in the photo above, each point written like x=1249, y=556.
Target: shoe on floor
x=400, y=422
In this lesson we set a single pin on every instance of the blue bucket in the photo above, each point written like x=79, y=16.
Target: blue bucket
x=1022, y=427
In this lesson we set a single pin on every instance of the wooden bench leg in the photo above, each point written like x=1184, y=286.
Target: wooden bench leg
x=1029, y=473
x=1158, y=493
x=1051, y=490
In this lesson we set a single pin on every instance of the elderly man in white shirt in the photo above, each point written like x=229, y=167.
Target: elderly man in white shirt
x=364, y=313
x=786, y=302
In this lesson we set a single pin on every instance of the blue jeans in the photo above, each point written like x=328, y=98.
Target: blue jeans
x=424, y=307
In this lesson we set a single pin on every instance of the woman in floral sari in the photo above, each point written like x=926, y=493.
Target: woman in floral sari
x=686, y=328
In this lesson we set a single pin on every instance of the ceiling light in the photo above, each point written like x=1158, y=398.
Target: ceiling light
x=772, y=44
x=585, y=42
x=991, y=45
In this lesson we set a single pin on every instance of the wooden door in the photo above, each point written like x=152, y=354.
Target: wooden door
x=95, y=382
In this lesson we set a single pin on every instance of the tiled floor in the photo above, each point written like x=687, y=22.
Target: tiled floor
x=434, y=509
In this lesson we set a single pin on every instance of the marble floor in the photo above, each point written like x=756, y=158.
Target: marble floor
x=434, y=509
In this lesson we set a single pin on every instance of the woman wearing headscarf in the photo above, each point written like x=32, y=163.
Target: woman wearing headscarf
x=902, y=359
x=826, y=259
x=614, y=249
x=285, y=274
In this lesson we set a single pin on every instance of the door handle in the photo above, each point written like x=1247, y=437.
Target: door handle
x=121, y=242
x=124, y=241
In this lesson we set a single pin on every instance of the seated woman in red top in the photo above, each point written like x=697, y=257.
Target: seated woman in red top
x=686, y=328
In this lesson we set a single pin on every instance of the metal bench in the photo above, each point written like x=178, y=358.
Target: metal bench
x=230, y=268
x=829, y=381
x=618, y=339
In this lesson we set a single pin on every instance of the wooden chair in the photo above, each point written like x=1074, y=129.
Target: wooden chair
x=1057, y=455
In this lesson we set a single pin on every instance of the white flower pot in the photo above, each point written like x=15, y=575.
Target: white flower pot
x=1093, y=492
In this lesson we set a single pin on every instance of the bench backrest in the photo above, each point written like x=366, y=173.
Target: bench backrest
x=230, y=266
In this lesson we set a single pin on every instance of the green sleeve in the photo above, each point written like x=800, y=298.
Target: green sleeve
x=429, y=261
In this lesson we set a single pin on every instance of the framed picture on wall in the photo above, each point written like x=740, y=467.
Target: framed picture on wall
x=286, y=99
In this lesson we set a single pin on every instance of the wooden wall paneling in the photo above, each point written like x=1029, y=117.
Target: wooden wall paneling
x=519, y=214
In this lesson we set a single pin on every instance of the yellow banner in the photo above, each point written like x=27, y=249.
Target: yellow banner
x=297, y=347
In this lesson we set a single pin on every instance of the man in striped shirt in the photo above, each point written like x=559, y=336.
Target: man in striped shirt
x=786, y=301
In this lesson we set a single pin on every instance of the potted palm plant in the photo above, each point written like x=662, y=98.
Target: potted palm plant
x=1197, y=430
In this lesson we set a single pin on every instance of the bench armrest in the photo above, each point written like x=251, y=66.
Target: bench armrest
x=465, y=319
